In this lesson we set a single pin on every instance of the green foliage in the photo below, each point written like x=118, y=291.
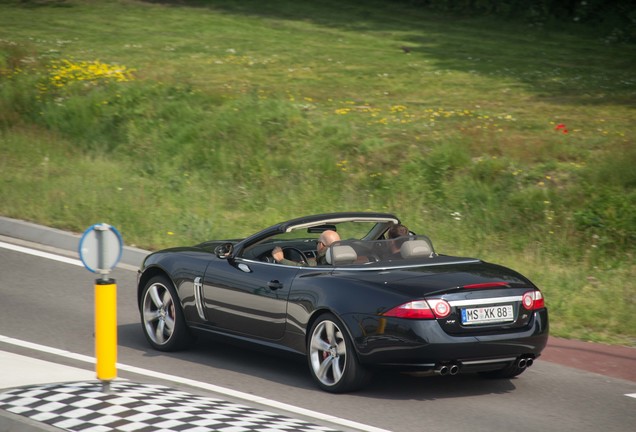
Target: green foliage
x=615, y=18
x=217, y=120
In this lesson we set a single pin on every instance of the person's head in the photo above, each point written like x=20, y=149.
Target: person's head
x=397, y=234
x=398, y=230
x=327, y=238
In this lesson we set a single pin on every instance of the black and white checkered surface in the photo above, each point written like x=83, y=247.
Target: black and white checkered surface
x=128, y=406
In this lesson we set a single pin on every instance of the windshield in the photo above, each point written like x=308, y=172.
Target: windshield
x=305, y=238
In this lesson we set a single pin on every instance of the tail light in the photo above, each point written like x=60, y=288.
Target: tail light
x=421, y=309
x=533, y=300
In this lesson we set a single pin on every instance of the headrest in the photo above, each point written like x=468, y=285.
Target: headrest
x=416, y=249
x=341, y=254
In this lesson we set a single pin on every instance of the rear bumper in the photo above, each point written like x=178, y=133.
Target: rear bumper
x=422, y=345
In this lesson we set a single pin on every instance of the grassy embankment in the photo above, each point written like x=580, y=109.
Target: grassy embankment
x=178, y=124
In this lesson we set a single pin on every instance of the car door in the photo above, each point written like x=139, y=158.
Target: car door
x=248, y=297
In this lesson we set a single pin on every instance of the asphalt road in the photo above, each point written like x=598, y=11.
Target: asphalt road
x=51, y=303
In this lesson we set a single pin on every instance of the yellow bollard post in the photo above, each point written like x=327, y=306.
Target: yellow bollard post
x=106, y=330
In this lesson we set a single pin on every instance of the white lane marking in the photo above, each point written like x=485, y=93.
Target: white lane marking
x=173, y=378
x=55, y=257
x=41, y=254
x=633, y=395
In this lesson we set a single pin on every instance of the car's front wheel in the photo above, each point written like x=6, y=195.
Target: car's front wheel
x=161, y=316
x=332, y=360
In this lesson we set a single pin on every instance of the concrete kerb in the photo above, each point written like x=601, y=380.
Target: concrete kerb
x=52, y=237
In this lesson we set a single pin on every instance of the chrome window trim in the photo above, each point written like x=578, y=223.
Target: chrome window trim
x=361, y=266
x=340, y=220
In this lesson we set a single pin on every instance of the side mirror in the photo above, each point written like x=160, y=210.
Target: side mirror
x=224, y=250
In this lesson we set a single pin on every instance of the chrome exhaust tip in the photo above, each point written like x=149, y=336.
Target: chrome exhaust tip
x=453, y=370
x=442, y=370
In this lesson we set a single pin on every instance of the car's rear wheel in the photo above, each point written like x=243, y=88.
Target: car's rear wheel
x=161, y=316
x=332, y=360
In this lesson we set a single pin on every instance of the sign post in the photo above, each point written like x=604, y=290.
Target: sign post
x=100, y=250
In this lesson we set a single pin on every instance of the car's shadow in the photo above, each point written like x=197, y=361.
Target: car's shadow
x=293, y=371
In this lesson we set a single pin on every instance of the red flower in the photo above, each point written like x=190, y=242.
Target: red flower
x=561, y=127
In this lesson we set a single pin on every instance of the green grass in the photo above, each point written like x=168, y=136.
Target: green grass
x=183, y=121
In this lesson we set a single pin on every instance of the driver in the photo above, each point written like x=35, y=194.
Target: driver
x=324, y=241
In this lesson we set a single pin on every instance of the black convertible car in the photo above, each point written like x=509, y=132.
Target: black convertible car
x=374, y=302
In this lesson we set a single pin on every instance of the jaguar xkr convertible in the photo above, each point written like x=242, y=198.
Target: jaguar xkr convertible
x=369, y=302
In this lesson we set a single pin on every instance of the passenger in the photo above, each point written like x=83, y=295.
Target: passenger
x=324, y=241
x=397, y=230
x=398, y=233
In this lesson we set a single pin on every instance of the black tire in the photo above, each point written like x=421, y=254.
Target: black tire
x=161, y=316
x=332, y=360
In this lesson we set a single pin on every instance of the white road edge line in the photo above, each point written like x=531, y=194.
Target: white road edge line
x=55, y=257
x=41, y=254
x=173, y=378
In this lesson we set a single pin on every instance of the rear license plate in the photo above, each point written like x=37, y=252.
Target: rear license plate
x=485, y=315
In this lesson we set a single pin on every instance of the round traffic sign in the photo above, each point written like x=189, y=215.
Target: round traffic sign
x=100, y=248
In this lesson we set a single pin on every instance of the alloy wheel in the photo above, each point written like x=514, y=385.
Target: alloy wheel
x=158, y=313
